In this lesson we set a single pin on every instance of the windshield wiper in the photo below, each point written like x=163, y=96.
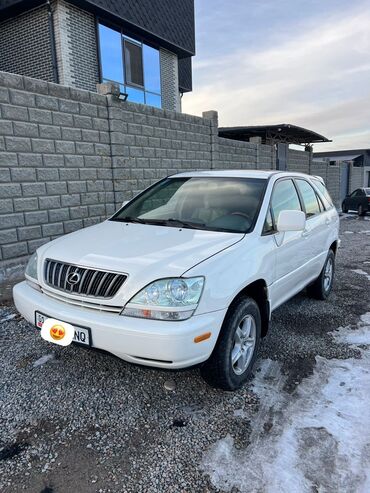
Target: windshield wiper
x=129, y=219
x=182, y=224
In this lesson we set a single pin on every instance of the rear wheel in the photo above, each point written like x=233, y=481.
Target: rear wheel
x=360, y=210
x=321, y=288
x=235, y=353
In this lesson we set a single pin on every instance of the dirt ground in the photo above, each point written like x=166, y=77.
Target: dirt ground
x=79, y=420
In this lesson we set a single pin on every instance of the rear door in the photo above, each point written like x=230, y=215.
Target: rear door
x=317, y=230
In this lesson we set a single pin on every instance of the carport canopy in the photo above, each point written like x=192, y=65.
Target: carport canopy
x=285, y=133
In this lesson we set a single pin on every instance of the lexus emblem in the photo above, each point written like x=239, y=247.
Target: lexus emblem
x=73, y=278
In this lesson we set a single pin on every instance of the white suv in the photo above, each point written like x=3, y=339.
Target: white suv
x=190, y=270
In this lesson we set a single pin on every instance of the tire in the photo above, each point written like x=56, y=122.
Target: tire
x=240, y=334
x=344, y=208
x=321, y=288
x=361, y=211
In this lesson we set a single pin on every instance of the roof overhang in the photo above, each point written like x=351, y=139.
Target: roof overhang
x=284, y=133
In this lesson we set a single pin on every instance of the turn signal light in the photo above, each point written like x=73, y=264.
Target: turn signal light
x=202, y=337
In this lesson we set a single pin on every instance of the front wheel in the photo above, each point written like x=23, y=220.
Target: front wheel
x=235, y=353
x=321, y=288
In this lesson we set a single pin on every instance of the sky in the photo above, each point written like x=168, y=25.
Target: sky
x=304, y=62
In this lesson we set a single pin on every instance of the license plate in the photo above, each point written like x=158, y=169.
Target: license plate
x=82, y=335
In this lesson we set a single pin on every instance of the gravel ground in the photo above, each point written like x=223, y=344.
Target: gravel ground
x=80, y=420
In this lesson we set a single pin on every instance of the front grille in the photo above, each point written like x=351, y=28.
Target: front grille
x=87, y=281
x=82, y=303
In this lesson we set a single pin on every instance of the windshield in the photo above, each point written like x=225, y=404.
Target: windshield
x=210, y=203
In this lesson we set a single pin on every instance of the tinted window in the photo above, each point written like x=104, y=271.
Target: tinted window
x=132, y=64
x=324, y=194
x=152, y=74
x=217, y=203
x=284, y=198
x=110, y=54
x=310, y=201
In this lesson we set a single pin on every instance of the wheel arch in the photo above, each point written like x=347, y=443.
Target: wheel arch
x=334, y=247
x=258, y=291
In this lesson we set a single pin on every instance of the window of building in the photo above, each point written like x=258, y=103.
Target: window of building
x=284, y=198
x=311, y=203
x=134, y=65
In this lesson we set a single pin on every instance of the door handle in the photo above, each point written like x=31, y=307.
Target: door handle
x=305, y=233
x=327, y=221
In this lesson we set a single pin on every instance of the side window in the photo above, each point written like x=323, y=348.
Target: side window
x=284, y=197
x=309, y=196
x=268, y=227
x=325, y=196
x=355, y=193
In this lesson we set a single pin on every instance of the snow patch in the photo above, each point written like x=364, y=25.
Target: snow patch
x=317, y=439
x=43, y=360
x=8, y=317
x=362, y=272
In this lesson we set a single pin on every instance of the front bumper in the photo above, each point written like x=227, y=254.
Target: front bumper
x=146, y=342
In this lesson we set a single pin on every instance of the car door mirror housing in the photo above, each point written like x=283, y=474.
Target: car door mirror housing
x=291, y=221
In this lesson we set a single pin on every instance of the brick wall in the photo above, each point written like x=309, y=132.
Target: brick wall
x=169, y=80
x=29, y=33
x=75, y=40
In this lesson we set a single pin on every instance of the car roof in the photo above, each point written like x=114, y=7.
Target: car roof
x=238, y=173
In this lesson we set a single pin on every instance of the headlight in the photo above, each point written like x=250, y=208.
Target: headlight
x=166, y=299
x=31, y=269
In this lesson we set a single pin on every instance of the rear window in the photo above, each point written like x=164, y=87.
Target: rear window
x=324, y=194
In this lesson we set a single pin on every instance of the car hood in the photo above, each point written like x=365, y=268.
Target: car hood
x=143, y=251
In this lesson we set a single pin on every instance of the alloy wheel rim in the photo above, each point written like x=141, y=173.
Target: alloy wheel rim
x=328, y=274
x=244, y=344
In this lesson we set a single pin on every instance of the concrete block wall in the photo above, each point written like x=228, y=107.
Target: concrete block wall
x=29, y=32
x=298, y=161
x=356, y=178
x=150, y=143
x=69, y=157
x=333, y=183
x=234, y=154
x=55, y=162
x=266, y=157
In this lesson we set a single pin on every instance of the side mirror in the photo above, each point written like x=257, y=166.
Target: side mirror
x=291, y=221
x=125, y=202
